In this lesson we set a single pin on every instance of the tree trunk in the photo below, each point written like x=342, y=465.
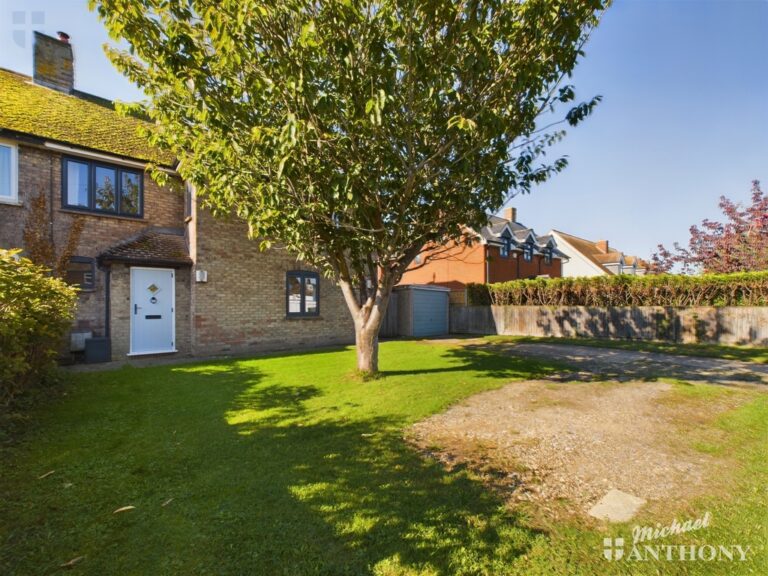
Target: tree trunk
x=367, y=343
x=368, y=318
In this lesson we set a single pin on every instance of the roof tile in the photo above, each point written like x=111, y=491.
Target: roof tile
x=154, y=245
x=79, y=120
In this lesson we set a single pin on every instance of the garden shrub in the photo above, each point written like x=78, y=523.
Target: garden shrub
x=35, y=312
x=741, y=289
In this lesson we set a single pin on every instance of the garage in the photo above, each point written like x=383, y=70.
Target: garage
x=417, y=311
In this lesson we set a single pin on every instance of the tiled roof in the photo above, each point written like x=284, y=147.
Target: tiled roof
x=78, y=119
x=154, y=245
x=592, y=252
x=493, y=230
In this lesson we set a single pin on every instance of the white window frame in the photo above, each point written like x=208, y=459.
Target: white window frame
x=14, y=197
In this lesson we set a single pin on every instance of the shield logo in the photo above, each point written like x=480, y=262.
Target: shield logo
x=613, y=549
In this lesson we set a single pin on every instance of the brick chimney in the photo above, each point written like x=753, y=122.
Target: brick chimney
x=510, y=214
x=53, y=62
x=602, y=245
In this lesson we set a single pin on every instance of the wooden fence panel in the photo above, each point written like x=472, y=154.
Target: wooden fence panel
x=725, y=325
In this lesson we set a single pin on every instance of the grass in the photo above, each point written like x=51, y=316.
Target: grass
x=741, y=353
x=286, y=464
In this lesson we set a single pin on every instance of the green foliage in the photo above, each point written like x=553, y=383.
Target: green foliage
x=478, y=294
x=35, y=311
x=354, y=132
x=741, y=289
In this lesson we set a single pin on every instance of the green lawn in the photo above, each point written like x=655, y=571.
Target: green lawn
x=289, y=465
x=742, y=353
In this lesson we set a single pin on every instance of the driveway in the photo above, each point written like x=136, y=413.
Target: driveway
x=634, y=365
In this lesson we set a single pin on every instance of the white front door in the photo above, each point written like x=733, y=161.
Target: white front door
x=152, y=310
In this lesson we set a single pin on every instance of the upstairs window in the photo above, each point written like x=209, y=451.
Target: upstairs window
x=81, y=272
x=302, y=297
x=9, y=185
x=103, y=188
x=528, y=252
x=506, y=246
x=548, y=255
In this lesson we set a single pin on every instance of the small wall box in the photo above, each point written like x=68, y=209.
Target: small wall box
x=201, y=275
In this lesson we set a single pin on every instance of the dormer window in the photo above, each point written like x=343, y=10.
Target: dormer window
x=548, y=255
x=528, y=252
x=506, y=246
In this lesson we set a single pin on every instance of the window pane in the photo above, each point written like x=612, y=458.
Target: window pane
x=105, y=195
x=77, y=184
x=5, y=171
x=310, y=295
x=129, y=193
x=294, y=295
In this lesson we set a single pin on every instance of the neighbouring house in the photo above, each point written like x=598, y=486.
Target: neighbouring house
x=595, y=258
x=502, y=250
x=158, y=274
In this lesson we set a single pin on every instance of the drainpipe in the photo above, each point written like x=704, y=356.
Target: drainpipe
x=487, y=266
x=107, y=301
x=50, y=201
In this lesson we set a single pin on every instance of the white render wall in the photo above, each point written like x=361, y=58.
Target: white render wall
x=576, y=265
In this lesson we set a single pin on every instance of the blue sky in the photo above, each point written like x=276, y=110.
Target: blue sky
x=684, y=117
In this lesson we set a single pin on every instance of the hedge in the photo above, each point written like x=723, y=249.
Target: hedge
x=742, y=289
x=35, y=312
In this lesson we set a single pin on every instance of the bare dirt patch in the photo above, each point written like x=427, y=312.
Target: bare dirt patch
x=564, y=445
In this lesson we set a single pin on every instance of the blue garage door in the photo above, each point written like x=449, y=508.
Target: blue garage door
x=430, y=312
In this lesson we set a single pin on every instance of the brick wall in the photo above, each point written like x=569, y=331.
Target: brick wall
x=453, y=267
x=457, y=266
x=40, y=173
x=241, y=308
x=53, y=63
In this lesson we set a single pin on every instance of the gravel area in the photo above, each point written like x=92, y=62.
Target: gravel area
x=548, y=441
x=636, y=365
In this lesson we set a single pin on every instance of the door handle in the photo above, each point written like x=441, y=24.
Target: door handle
x=136, y=309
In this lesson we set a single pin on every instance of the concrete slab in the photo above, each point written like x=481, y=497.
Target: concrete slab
x=617, y=506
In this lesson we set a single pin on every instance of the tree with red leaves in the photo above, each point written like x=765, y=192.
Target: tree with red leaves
x=738, y=245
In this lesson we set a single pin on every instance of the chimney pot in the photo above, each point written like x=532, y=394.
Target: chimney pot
x=510, y=214
x=602, y=245
x=63, y=36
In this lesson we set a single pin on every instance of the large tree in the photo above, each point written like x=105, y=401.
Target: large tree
x=739, y=244
x=354, y=132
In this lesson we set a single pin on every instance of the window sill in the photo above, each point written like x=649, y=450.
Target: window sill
x=303, y=318
x=102, y=215
x=9, y=202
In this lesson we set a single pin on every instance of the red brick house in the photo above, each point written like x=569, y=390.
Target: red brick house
x=158, y=274
x=502, y=250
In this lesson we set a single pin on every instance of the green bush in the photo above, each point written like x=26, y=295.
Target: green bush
x=35, y=312
x=742, y=289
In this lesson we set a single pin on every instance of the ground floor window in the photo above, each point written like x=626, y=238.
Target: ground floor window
x=302, y=293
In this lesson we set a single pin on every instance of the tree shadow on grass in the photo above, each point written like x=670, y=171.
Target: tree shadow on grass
x=234, y=471
x=487, y=360
x=333, y=497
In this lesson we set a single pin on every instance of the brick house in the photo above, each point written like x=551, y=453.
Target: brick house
x=158, y=274
x=502, y=250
